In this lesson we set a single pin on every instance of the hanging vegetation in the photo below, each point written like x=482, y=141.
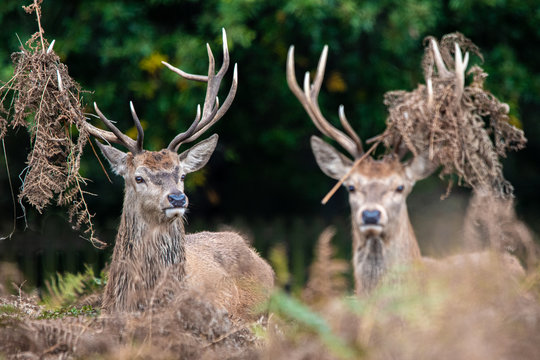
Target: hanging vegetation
x=464, y=128
x=44, y=99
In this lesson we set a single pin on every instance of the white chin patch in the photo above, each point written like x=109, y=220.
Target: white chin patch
x=174, y=212
x=371, y=229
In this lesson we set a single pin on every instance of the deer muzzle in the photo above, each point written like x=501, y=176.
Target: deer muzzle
x=178, y=203
x=372, y=220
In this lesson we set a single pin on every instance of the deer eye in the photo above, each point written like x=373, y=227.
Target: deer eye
x=351, y=188
x=183, y=177
x=400, y=188
x=139, y=179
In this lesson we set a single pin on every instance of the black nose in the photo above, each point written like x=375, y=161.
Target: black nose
x=371, y=217
x=177, y=199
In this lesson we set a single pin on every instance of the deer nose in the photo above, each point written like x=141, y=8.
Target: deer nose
x=177, y=199
x=371, y=217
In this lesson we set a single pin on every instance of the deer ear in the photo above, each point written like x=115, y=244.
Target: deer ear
x=196, y=157
x=419, y=168
x=116, y=158
x=332, y=162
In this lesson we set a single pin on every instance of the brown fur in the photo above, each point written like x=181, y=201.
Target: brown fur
x=375, y=185
x=380, y=168
x=152, y=248
x=374, y=254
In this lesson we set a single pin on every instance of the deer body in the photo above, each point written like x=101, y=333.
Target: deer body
x=383, y=236
x=152, y=246
x=153, y=258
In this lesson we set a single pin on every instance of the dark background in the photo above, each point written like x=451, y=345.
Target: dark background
x=262, y=179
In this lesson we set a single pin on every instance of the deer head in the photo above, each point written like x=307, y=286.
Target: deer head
x=378, y=188
x=154, y=180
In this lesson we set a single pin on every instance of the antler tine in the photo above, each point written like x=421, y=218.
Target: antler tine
x=203, y=78
x=220, y=110
x=308, y=99
x=194, y=130
x=443, y=71
x=185, y=75
x=140, y=131
x=309, y=109
x=178, y=139
x=214, y=81
x=461, y=66
x=348, y=128
x=211, y=111
x=210, y=88
x=295, y=88
x=319, y=75
x=116, y=136
x=429, y=85
x=226, y=59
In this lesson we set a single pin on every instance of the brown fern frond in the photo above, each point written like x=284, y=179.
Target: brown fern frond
x=492, y=222
x=466, y=132
x=46, y=101
x=326, y=274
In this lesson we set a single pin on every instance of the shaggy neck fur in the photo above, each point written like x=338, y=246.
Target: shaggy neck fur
x=373, y=254
x=143, y=253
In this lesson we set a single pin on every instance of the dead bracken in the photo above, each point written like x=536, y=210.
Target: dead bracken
x=465, y=128
x=44, y=99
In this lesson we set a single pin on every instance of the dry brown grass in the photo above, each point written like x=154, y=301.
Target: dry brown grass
x=471, y=311
x=474, y=310
x=491, y=222
x=326, y=274
x=187, y=327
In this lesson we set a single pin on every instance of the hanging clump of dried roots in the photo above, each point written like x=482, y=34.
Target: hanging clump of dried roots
x=46, y=101
x=465, y=129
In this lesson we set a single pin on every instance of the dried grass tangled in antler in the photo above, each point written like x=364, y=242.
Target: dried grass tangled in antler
x=463, y=131
x=46, y=101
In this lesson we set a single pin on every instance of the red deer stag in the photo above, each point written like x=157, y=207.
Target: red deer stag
x=383, y=236
x=151, y=242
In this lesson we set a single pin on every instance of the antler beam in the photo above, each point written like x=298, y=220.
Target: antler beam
x=116, y=136
x=308, y=98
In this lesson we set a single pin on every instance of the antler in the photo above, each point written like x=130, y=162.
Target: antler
x=460, y=67
x=308, y=99
x=211, y=112
x=115, y=135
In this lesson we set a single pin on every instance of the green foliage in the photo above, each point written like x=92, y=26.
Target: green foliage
x=85, y=310
x=65, y=289
x=292, y=309
x=278, y=259
x=115, y=49
x=8, y=309
x=10, y=313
